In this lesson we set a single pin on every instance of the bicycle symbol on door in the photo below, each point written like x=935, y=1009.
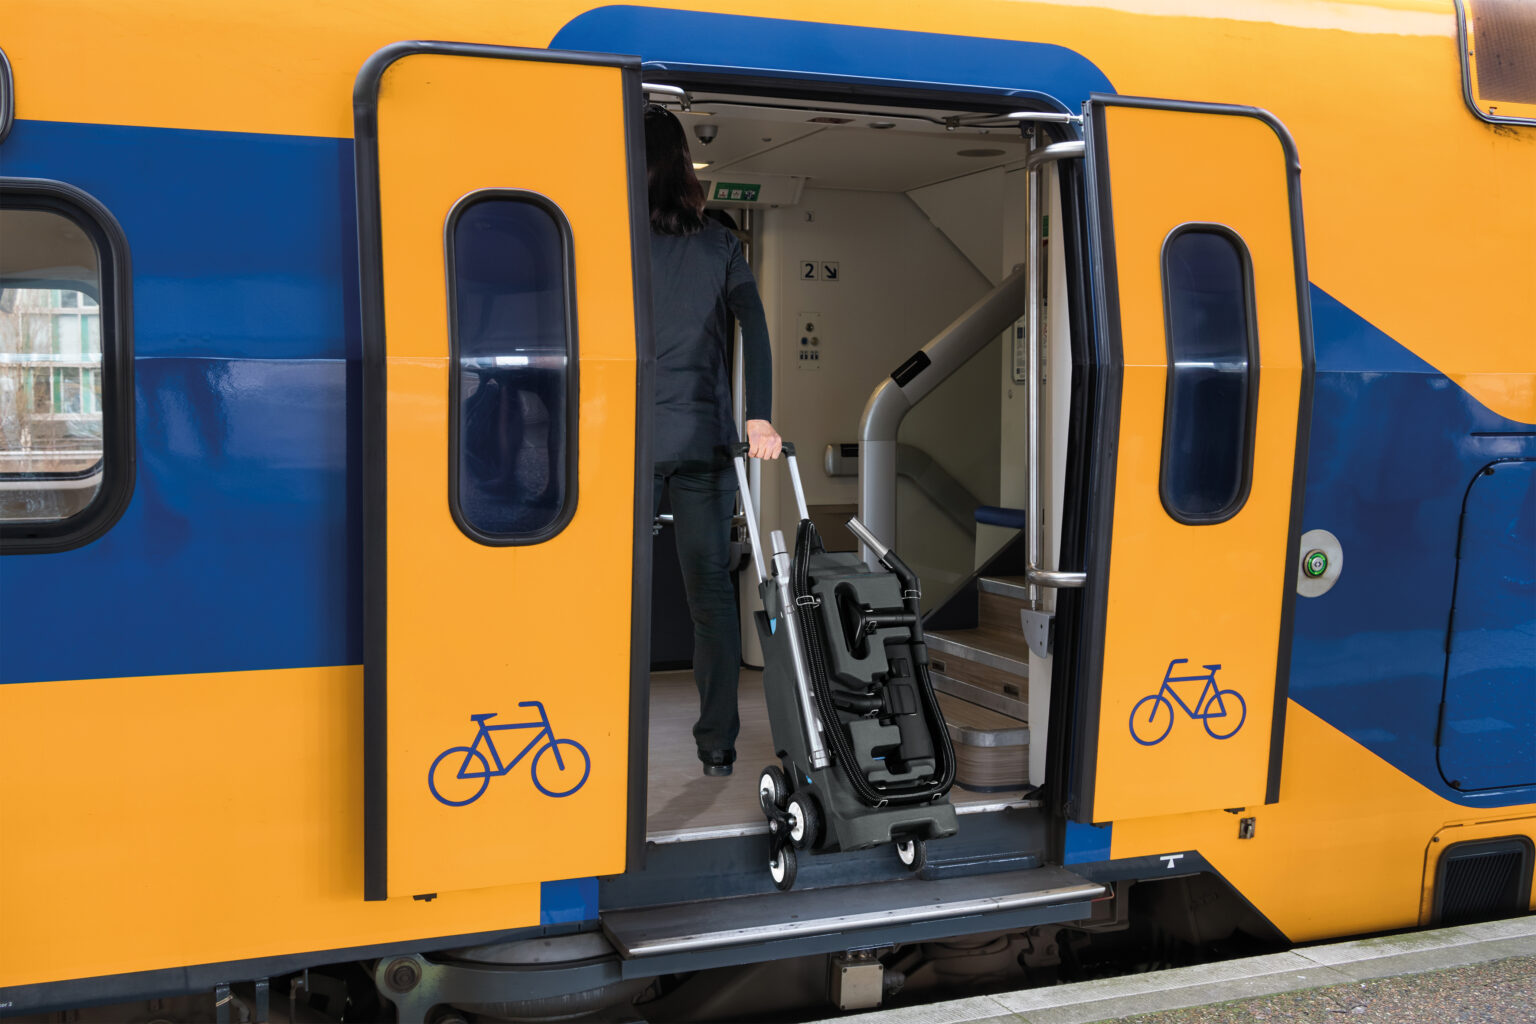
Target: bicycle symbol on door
x=1221, y=711
x=474, y=773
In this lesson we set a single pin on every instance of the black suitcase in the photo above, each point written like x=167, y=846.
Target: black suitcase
x=864, y=754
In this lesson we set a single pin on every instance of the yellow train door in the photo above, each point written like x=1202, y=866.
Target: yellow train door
x=1202, y=394
x=506, y=521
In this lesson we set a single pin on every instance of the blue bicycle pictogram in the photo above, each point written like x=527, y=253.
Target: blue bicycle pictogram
x=1218, y=709
x=462, y=780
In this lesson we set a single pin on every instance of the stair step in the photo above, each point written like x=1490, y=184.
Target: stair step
x=842, y=911
x=1016, y=587
x=991, y=749
x=976, y=726
x=996, y=648
x=1011, y=706
x=1009, y=685
x=999, y=613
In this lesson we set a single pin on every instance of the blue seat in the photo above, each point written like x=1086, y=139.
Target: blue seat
x=1009, y=518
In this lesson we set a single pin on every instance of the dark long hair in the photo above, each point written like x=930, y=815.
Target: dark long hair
x=677, y=199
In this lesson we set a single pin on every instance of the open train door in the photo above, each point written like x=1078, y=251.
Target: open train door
x=1202, y=396
x=506, y=520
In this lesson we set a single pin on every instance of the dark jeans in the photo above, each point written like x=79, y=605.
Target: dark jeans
x=703, y=500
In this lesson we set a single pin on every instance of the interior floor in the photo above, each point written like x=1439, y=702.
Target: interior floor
x=683, y=803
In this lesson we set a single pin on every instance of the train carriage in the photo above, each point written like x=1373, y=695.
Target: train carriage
x=1187, y=352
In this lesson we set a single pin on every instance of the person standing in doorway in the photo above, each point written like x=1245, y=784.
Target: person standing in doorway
x=699, y=277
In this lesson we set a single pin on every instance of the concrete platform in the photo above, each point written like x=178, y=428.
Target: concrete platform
x=1301, y=970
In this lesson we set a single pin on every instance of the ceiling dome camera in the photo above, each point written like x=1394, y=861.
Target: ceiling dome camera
x=706, y=132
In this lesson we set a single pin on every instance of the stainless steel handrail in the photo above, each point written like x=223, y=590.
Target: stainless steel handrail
x=1053, y=578
x=1055, y=151
x=1045, y=117
x=890, y=402
x=681, y=95
x=1036, y=575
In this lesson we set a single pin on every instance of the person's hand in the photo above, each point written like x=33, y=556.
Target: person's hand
x=763, y=441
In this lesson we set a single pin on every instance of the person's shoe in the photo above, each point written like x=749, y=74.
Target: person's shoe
x=717, y=763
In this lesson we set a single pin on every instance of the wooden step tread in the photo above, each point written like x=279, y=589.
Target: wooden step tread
x=993, y=646
x=999, y=613
x=1008, y=702
x=974, y=716
x=1005, y=682
x=991, y=750
x=978, y=726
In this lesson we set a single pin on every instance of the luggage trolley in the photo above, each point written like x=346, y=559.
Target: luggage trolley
x=864, y=754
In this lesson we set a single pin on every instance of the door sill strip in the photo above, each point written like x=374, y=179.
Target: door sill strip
x=760, y=828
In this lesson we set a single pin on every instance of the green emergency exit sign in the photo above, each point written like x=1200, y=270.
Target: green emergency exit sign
x=736, y=192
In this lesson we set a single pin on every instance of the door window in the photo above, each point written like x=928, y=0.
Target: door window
x=1212, y=374
x=514, y=349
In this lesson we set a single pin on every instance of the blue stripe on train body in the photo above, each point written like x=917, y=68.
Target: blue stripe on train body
x=1395, y=445
x=849, y=54
x=240, y=549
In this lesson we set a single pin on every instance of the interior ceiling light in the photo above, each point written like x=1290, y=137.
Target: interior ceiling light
x=699, y=165
x=831, y=120
x=980, y=152
x=882, y=124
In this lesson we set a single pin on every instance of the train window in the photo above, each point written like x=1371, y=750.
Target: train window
x=1213, y=374
x=1498, y=59
x=66, y=411
x=512, y=436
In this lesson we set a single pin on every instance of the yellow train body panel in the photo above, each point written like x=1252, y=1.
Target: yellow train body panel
x=1323, y=826
x=145, y=830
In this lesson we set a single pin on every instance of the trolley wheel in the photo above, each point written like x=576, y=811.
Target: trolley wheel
x=913, y=853
x=804, y=812
x=782, y=867
x=772, y=788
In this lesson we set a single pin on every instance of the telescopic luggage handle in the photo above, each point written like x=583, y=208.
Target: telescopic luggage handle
x=789, y=613
x=739, y=452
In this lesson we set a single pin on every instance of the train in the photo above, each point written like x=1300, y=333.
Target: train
x=1186, y=350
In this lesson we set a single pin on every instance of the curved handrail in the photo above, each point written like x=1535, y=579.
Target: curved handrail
x=929, y=367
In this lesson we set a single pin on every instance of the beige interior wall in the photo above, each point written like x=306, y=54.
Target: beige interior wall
x=900, y=281
x=907, y=265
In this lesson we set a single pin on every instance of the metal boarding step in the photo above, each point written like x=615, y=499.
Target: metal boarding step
x=845, y=917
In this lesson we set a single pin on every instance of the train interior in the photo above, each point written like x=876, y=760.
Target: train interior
x=871, y=228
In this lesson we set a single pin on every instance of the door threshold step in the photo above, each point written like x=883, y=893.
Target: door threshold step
x=979, y=864
x=1005, y=800
x=844, y=910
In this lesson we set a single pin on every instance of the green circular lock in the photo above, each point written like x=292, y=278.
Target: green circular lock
x=1315, y=563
